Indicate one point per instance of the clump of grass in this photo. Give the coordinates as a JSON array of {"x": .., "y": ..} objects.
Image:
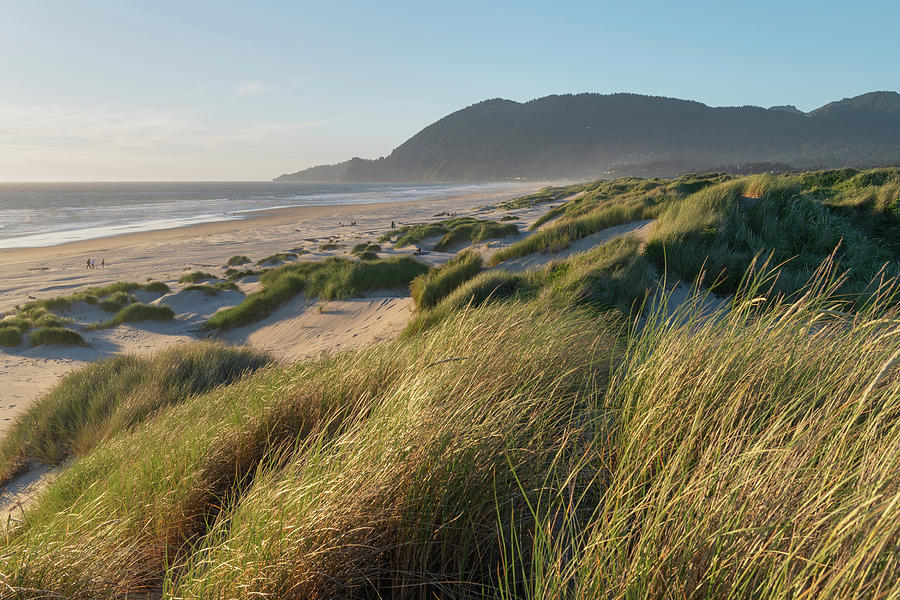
[
  {"x": 428, "y": 289},
  {"x": 137, "y": 312},
  {"x": 452, "y": 231},
  {"x": 45, "y": 336},
  {"x": 233, "y": 274},
  {"x": 509, "y": 218},
  {"x": 111, "y": 396},
  {"x": 237, "y": 260},
  {"x": 157, "y": 287},
  {"x": 330, "y": 246},
  {"x": 277, "y": 258},
  {"x": 212, "y": 289},
  {"x": 366, "y": 251},
  {"x": 116, "y": 301},
  {"x": 10, "y": 336},
  {"x": 195, "y": 276},
  {"x": 93, "y": 295},
  {"x": 328, "y": 280},
  {"x": 41, "y": 317}
]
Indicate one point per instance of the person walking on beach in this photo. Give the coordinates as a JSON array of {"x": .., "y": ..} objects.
[
  {"x": 93, "y": 264},
  {"x": 87, "y": 265},
  {"x": 103, "y": 263}
]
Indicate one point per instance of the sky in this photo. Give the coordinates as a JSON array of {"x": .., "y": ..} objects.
[{"x": 112, "y": 90}]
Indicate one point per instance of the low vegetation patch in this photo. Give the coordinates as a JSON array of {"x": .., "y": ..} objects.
[
  {"x": 10, "y": 336},
  {"x": 46, "y": 336},
  {"x": 213, "y": 289},
  {"x": 195, "y": 276},
  {"x": 428, "y": 289},
  {"x": 453, "y": 232},
  {"x": 116, "y": 301},
  {"x": 277, "y": 258},
  {"x": 330, "y": 279},
  {"x": 233, "y": 273},
  {"x": 330, "y": 246},
  {"x": 137, "y": 312},
  {"x": 238, "y": 259},
  {"x": 93, "y": 295}
]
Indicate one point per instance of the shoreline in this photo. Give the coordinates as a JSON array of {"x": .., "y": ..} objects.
[{"x": 260, "y": 218}]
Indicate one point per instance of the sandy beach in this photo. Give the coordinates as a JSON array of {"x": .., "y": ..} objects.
[{"x": 300, "y": 328}]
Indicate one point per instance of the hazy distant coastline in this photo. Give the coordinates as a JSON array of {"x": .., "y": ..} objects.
[{"x": 36, "y": 215}]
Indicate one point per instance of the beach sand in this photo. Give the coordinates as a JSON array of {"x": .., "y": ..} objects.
[{"x": 298, "y": 329}]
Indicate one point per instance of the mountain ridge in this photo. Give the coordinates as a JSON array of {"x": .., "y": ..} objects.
[{"x": 581, "y": 135}]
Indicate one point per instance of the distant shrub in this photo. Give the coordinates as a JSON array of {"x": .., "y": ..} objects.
[
  {"x": 330, "y": 246},
  {"x": 368, "y": 255}
]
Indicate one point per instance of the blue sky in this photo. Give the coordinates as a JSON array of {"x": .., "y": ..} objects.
[{"x": 116, "y": 90}]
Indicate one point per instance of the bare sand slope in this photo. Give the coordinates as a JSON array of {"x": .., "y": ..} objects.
[{"x": 303, "y": 328}]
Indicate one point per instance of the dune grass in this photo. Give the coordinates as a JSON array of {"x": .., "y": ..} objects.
[
  {"x": 111, "y": 396},
  {"x": 517, "y": 450},
  {"x": 429, "y": 288},
  {"x": 135, "y": 313},
  {"x": 213, "y": 289},
  {"x": 614, "y": 275},
  {"x": 453, "y": 232},
  {"x": 330, "y": 279},
  {"x": 375, "y": 470},
  {"x": 744, "y": 456},
  {"x": 10, "y": 336},
  {"x": 529, "y": 442},
  {"x": 196, "y": 276},
  {"x": 278, "y": 257},
  {"x": 55, "y": 335},
  {"x": 156, "y": 287},
  {"x": 237, "y": 260},
  {"x": 93, "y": 295},
  {"x": 722, "y": 228},
  {"x": 116, "y": 301},
  {"x": 363, "y": 247}
]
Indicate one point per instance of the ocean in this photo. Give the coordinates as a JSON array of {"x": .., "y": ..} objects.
[{"x": 45, "y": 214}]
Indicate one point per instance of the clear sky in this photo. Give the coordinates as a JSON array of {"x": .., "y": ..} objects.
[{"x": 157, "y": 90}]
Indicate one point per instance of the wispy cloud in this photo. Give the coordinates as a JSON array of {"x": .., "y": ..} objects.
[
  {"x": 57, "y": 126},
  {"x": 252, "y": 88}
]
